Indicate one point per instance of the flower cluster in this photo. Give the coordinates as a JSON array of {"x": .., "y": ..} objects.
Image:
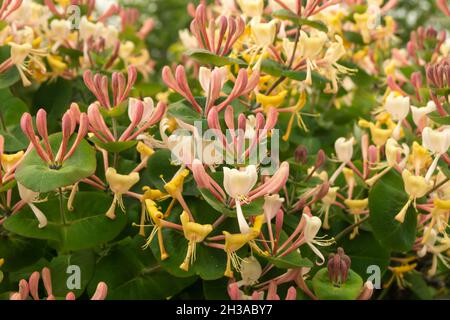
[{"x": 197, "y": 180}]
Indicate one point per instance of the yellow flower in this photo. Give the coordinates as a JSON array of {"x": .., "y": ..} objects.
[
  {"x": 157, "y": 219},
  {"x": 175, "y": 188},
  {"x": 194, "y": 233},
  {"x": 144, "y": 150},
  {"x": 119, "y": 184},
  {"x": 381, "y": 130},
  {"x": 2, "y": 261},
  {"x": 10, "y": 160},
  {"x": 415, "y": 187},
  {"x": 234, "y": 242},
  {"x": 356, "y": 206},
  {"x": 296, "y": 112},
  {"x": 271, "y": 101},
  {"x": 439, "y": 218},
  {"x": 57, "y": 64},
  {"x": 420, "y": 157}
]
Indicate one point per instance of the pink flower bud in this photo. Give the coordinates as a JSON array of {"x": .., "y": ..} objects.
[{"x": 100, "y": 292}]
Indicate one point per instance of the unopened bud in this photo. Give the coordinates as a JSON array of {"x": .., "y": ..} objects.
[
  {"x": 301, "y": 154},
  {"x": 338, "y": 267},
  {"x": 321, "y": 158}
]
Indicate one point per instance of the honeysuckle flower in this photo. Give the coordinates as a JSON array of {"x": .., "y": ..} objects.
[
  {"x": 415, "y": 187},
  {"x": 312, "y": 227},
  {"x": 69, "y": 122},
  {"x": 233, "y": 242},
  {"x": 212, "y": 82},
  {"x": 331, "y": 68},
  {"x": 439, "y": 218},
  {"x": 119, "y": 185},
  {"x": 271, "y": 101},
  {"x": 419, "y": 115},
  {"x": 29, "y": 198},
  {"x": 156, "y": 217},
  {"x": 344, "y": 153},
  {"x": 121, "y": 87},
  {"x": 194, "y": 233},
  {"x": 328, "y": 201},
  {"x": 8, "y": 7},
  {"x": 438, "y": 143},
  {"x": 175, "y": 189},
  {"x": 396, "y": 156},
  {"x": 250, "y": 271},
  {"x": 398, "y": 107},
  {"x": 420, "y": 158},
  {"x": 148, "y": 109},
  {"x": 381, "y": 130},
  {"x": 263, "y": 33},
  {"x": 356, "y": 207},
  {"x": 238, "y": 184},
  {"x": 217, "y": 36},
  {"x": 10, "y": 161},
  {"x": 251, "y": 8},
  {"x": 309, "y": 48},
  {"x": 22, "y": 55},
  {"x": 437, "y": 246},
  {"x": 30, "y": 289}
]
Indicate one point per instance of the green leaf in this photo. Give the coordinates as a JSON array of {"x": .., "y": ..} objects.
[
  {"x": 19, "y": 252},
  {"x": 365, "y": 251},
  {"x": 386, "y": 199},
  {"x": 132, "y": 273},
  {"x": 325, "y": 290},
  {"x": 15, "y": 140},
  {"x": 354, "y": 37},
  {"x": 55, "y": 97},
  {"x": 417, "y": 284},
  {"x": 85, "y": 227},
  {"x": 85, "y": 260},
  {"x": 205, "y": 57},
  {"x": 184, "y": 111},
  {"x": 436, "y": 117},
  {"x": 36, "y": 175},
  {"x": 115, "y": 146},
  {"x": 284, "y": 14},
  {"x": 10, "y": 76}
]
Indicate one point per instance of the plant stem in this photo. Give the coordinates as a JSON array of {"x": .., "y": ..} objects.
[
  {"x": 61, "y": 207},
  {"x": 350, "y": 228}
]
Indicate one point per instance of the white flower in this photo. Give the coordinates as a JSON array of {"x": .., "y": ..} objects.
[
  {"x": 263, "y": 33},
  {"x": 272, "y": 203},
  {"x": 393, "y": 150},
  {"x": 397, "y": 106},
  {"x": 30, "y": 197},
  {"x": 436, "y": 141},
  {"x": 205, "y": 77},
  {"x": 239, "y": 183},
  {"x": 311, "y": 46},
  {"x": 187, "y": 39},
  {"x": 250, "y": 271},
  {"x": 312, "y": 227},
  {"x": 251, "y": 8},
  {"x": 149, "y": 107},
  {"x": 344, "y": 149},
  {"x": 419, "y": 113}
]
